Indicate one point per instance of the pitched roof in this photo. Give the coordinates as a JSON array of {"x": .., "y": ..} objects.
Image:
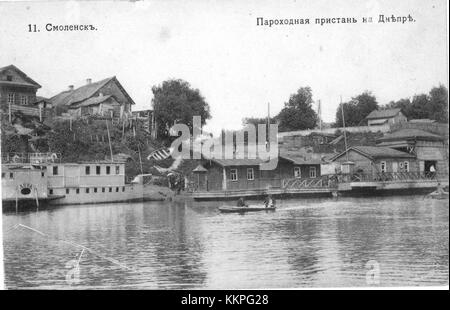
[
  {"x": 300, "y": 156},
  {"x": 200, "y": 168},
  {"x": 92, "y": 101},
  {"x": 79, "y": 94},
  {"x": 410, "y": 134},
  {"x": 29, "y": 81},
  {"x": 374, "y": 152},
  {"x": 422, "y": 120},
  {"x": 386, "y": 113},
  {"x": 238, "y": 162}
]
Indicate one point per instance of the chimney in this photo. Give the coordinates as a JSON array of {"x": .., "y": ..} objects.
[
  {"x": 70, "y": 87},
  {"x": 88, "y": 81}
]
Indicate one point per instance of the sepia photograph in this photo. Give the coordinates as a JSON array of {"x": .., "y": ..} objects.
[{"x": 224, "y": 145}]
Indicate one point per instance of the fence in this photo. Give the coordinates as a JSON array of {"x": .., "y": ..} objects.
[
  {"x": 391, "y": 177},
  {"x": 30, "y": 158}
]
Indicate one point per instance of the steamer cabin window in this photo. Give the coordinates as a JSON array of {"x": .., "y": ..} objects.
[
  {"x": 250, "y": 174},
  {"x": 108, "y": 169},
  {"x": 97, "y": 169},
  {"x": 233, "y": 175},
  {"x": 55, "y": 170},
  {"x": 117, "y": 169},
  {"x": 88, "y": 170}
]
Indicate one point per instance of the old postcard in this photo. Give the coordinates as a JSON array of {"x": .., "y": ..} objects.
[{"x": 226, "y": 145}]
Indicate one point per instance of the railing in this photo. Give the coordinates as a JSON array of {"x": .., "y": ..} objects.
[
  {"x": 390, "y": 177},
  {"x": 320, "y": 182},
  {"x": 31, "y": 158}
]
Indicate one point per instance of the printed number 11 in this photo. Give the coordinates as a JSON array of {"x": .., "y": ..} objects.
[{"x": 32, "y": 28}]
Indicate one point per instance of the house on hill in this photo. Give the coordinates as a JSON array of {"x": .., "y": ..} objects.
[
  {"x": 16, "y": 88},
  {"x": 104, "y": 98},
  {"x": 18, "y": 94},
  {"x": 385, "y": 116}
]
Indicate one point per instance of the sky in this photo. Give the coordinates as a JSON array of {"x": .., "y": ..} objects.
[{"x": 217, "y": 47}]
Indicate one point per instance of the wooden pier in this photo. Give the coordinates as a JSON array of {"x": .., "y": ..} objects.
[{"x": 329, "y": 186}]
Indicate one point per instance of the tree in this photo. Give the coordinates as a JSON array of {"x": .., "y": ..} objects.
[
  {"x": 351, "y": 114},
  {"x": 356, "y": 111},
  {"x": 438, "y": 105},
  {"x": 174, "y": 101},
  {"x": 298, "y": 113},
  {"x": 432, "y": 106}
]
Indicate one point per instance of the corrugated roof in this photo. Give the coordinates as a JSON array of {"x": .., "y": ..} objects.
[
  {"x": 386, "y": 113},
  {"x": 79, "y": 94},
  {"x": 408, "y": 134}
]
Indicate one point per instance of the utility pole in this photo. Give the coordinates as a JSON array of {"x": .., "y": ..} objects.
[
  {"x": 343, "y": 124},
  {"x": 319, "y": 112}
]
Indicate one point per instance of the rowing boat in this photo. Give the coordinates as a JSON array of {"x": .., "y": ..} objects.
[
  {"x": 438, "y": 195},
  {"x": 245, "y": 209}
]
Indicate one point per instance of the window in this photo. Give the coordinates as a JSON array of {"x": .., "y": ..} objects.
[
  {"x": 250, "y": 174},
  {"x": 108, "y": 169},
  {"x": 103, "y": 189},
  {"x": 406, "y": 166},
  {"x": 67, "y": 191},
  {"x": 9, "y": 78},
  {"x": 312, "y": 172},
  {"x": 3, "y": 175},
  {"x": 77, "y": 191},
  {"x": 297, "y": 172},
  {"x": 87, "y": 170},
  {"x": 383, "y": 166},
  {"x": 11, "y": 175},
  {"x": 23, "y": 100},
  {"x": 95, "y": 189},
  {"x": 42, "y": 174},
  {"x": 97, "y": 169},
  {"x": 117, "y": 189},
  {"x": 110, "y": 189},
  {"x": 123, "y": 188},
  {"x": 55, "y": 170},
  {"x": 234, "y": 175},
  {"x": 50, "y": 192},
  {"x": 11, "y": 98},
  {"x": 117, "y": 169},
  {"x": 87, "y": 190}
]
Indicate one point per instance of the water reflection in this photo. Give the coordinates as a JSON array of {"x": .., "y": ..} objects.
[{"x": 308, "y": 242}]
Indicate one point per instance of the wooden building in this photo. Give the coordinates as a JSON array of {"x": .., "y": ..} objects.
[
  {"x": 94, "y": 98},
  {"x": 428, "y": 148},
  {"x": 386, "y": 116},
  {"x": 246, "y": 174},
  {"x": 18, "y": 95},
  {"x": 16, "y": 88},
  {"x": 371, "y": 160}
]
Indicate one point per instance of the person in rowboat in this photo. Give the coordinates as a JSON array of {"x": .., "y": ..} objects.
[
  {"x": 241, "y": 202},
  {"x": 269, "y": 201}
]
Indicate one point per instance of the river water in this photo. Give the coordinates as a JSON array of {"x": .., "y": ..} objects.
[{"x": 387, "y": 241}]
